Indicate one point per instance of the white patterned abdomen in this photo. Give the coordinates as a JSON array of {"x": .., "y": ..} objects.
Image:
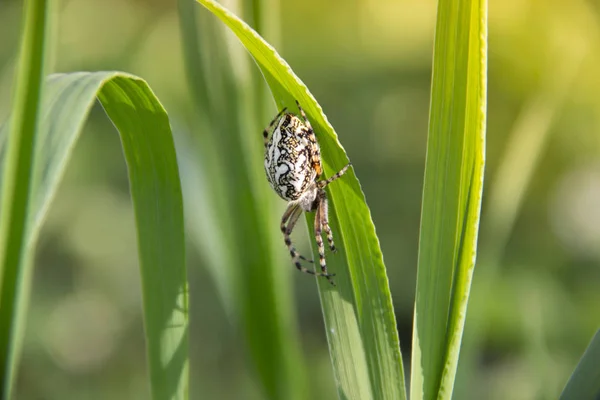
[{"x": 287, "y": 160}]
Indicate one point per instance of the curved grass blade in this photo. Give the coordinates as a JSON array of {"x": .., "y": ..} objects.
[
  {"x": 451, "y": 195},
  {"x": 359, "y": 318},
  {"x": 148, "y": 146},
  {"x": 584, "y": 383},
  {"x": 254, "y": 287}
]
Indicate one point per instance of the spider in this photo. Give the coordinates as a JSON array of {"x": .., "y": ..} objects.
[{"x": 293, "y": 165}]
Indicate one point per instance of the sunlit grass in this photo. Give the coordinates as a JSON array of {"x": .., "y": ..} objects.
[
  {"x": 155, "y": 189},
  {"x": 452, "y": 195},
  {"x": 236, "y": 234},
  {"x": 359, "y": 318},
  {"x": 250, "y": 270}
]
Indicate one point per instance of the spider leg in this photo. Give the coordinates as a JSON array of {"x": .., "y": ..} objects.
[
  {"x": 292, "y": 213},
  {"x": 290, "y": 227},
  {"x": 341, "y": 172},
  {"x": 325, "y": 223},
  {"x": 306, "y": 121},
  {"x": 327, "y": 230},
  {"x": 266, "y": 131},
  {"x": 320, "y": 246}
]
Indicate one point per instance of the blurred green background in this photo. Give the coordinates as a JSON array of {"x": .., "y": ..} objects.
[{"x": 535, "y": 299}]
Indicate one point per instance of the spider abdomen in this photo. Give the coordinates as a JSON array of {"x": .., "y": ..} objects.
[
  {"x": 293, "y": 165},
  {"x": 289, "y": 158}
]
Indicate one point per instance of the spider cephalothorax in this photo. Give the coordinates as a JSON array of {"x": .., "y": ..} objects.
[{"x": 293, "y": 165}]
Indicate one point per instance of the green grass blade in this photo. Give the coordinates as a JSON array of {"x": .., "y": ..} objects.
[
  {"x": 16, "y": 181},
  {"x": 451, "y": 195},
  {"x": 155, "y": 188},
  {"x": 505, "y": 194},
  {"x": 584, "y": 383},
  {"x": 256, "y": 290},
  {"x": 359, "y": 317}
]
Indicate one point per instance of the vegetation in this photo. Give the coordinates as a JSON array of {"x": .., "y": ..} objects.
[{"x": 80, "y": 335}]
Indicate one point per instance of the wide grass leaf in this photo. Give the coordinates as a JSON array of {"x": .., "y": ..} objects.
[
  {"x": 451, "y": 195},
  {"x": 584, "y": 383},
  {"x": 148, "y": 146},
  {"x": 359, "y": 317}
]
